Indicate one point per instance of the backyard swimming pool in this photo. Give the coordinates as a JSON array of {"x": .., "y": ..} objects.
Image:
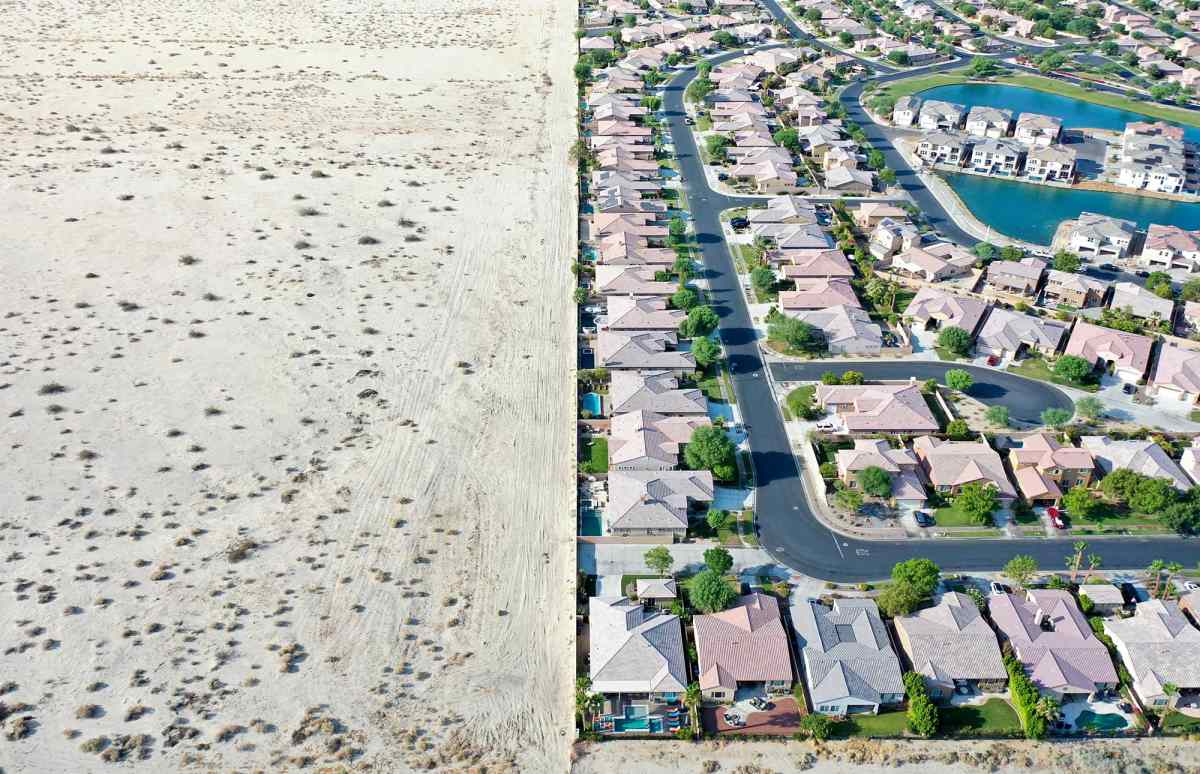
[
  {"x": 589, "y": 522},
  {"x": 1088, "y": 720},
  {"x": 592, "y": 403}
]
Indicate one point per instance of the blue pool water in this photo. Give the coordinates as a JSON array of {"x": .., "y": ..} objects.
[
  {"x": 720, "y": 409},
  {"x": 589, "y": 523},
  {"x": 592, "y": 402}
]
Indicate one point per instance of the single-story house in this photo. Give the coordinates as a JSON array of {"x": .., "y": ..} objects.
[
  {"x": 1106, "y": 598},
  {"x": 1006, "y": 333},
  {"x": 1159, "y": 647},
  {"x": 848, "y": 329},
  {"x": 1177, "y": 374},
  {"x": 654, "y": 502},
  {"x": 875, "y": 408},
  {"x": 744, "y": 646},
  {"x": 933, "y": 309},
  {"x": 1145, "y": 457},
  {"x": 952, "y": 645},
  {"x": 950, "y": 465},
  {"x": 849, "y": 664},
  {"x": 901, "y": 464},
  {"x": 636, "y": 656},
  {"x": 1127, "y": 354},
  {"x": 656, "y": 391}
]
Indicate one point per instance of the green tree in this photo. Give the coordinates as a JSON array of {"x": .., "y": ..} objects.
[
  {"x": 846, "y": 39},
  {"x": 929, "y": 386},
  {"x": 887, "y": 176},
  {"x": 709, "y": 592},
  {"x": 958, "y": 379},
  {"x": 701, "y": 321},
  {"x": 1089, "y": 408},
  {"x": 583, "y": 72},
  {"x": 706, "y": 352},
  {"x": 1011, "y": 253},
  {"x": 711, "y": 449},
  {"x": 958, "y": 430},
  {"x": 848, "y": 499},
  {"x": 875, "y": 159},
  {"x": 584, "y": 702},
  {"x": 977, "y": 501},
  {"x": 898, "y": 57},
  {"x": 716, "y": 144},
  {"x": 1120, "y": 484},
  {"x": 693, "y": 697},
  {"x": 1079, "y": 502},
  {"x": 954, "y": 339},
  {"x": 921, "y": 574},
  {"x": 763, "y": 280},
  {"x": 683, "y": 266},
  {"x": 985, "y": 251},
  {"x": 659, "y": 559},
  {"x": 1021, "y": 569},
  {"x": 788, "y": 138},
  {"x": 1072, "y": 368},
  {"x": 922, "y": 715},
  {"x": 677, "y": 231},
  {"x": 813, "y": 15},
  {"x": 898, "y": 599},
  {"x": 1055, "y": 417},
  {"x": 816, "y": 726},
  {"x": 717, "y": 519},
  {"x": 797, "y": 334},
  {"x": 997, "y": 415},
  {"x": 685, "y": 299},
  {"x": 1152, "y": 495},
  {"x": 830, "y": 378},
  {"x": 1065, "y": 261},
  {"x": 718, "y": 560},
  {"x": 852, "y": 377},
  {"x": 875, "y": 481},
  {"x": 1190, "y": 290},
  {"x": 580, "y": 295}
]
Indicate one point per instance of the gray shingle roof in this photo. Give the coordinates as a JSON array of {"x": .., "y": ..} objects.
[
  {"x": 846, "y": 651},
  {"x": 951, "y": 641},
  {"x": 633, "y": 650}
]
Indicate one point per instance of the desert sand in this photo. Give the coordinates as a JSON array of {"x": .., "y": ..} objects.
[{"x": 286, "y": 397}]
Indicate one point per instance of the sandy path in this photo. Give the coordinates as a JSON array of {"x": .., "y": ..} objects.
[{"x": 291, "y": 280}]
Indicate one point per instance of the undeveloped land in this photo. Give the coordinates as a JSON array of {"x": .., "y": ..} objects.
[{"x": 285, "y": 385}]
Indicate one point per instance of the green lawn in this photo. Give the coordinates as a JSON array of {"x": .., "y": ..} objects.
[
  {"x": 1112, "y": 518},
  {"x": 1178, "y": 723},
  {"x": 883, "y": 724},
  {"x": 994, "y": 716},
  {"x": 951, "y": 516},
  {"x": 704, "y": 123},
  {"x": 946, "y": 354},
  {"x": 596, "y": 461},
  {"x": 1038, "y": 368}
]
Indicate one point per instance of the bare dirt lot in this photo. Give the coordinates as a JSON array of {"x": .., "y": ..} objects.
[{"x": 286, "y": 398}]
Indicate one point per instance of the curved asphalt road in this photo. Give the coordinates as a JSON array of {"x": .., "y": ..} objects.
[
  {"x": 788, "y": 529},
  {"x": 1024, "y": 398}
]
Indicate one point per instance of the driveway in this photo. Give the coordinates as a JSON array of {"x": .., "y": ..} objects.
[{"x": 783, "y": 719}]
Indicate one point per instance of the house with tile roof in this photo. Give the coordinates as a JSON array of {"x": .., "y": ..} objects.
[
  {"x": 952, "y": 645},
  {"x": 1044, "y": 468},
  {"x": 1037, "y": 129},
  {"x": 631, "y": 281},
  {"x": 1170, "y": 247},
  {"x": 892, "y": 236},
  {"x": 1099, "y": 236},
  {"x": 1006, "y": 333},
  {"x": 1159, "y": 647},
  {"x": 848, "y": 330},
  {"x": 1140, "y": 302},
  {"x": 950, "y": 465},
  {"x": 626, "y": 313},
  {"x": 642, "y": 440},
  {"x": 1177, "y": 374},
  {"x": 934, "y": 309},
  {"x": 656, "y": 391},
  {"x": 1145, "y": 457},
  {"x": 1055, "y": 163},
  {"x": 1077, "y": 290},
  {"x": 924, "y": 265},
  {"x": 1127, "y": 354},
  {"x": 651, "y": 350},
  {"x": 654, "y": 502},
  {"x": 811, "y": 264},
  {"x": 849, "y": 665},
  {"x": 1106, "y": 598},
  {"x": 939, "y": 115},
  {"x": 816, "y": 293},
  {"x": 1054, "y": 643},
  {"x": 744, "y": 646},
  {"x": 787, "y": 210},
  {"x": 878, "y": 408},
  {"x": 1190, "y": 460},
  {"x": 634, "y": 652},
  {"x": 1017, "y": 277},
  {"x": 660, "y": 592},
  {"x": 871, "y": 214},
  {"x": 900, "y": 464}
]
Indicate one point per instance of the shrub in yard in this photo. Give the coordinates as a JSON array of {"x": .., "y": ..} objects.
[
  {"x": 875, "y": 481},
  {"x": 709, "y": 592}
]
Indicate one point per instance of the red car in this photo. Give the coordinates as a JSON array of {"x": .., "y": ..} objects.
[
  {"x": 993, "y": 360},
  {"x": 1056, "y": 518}
]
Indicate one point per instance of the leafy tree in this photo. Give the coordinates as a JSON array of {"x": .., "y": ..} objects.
[
  {"x": 1159, "y": 283},
  {"x": 800, "y": 403},
  {"x": 898, "y": 56},
  {"x": 580, "y": 295},
  {"x": 845, "y": 38},
  {"x": 1072, "y": 368},
  {"x": 1121, "y": 319},
  {"x": 887, "y": 176},
  {"x": 763, "y": 279},
  {"x": 977, "y": 597},
  {"x": 852, "y": 377},
  {"x": 705, "y": 351},
  {"x": 816, "y": 726},
  {"x": 677, "y": 231},
  {"x": 683, "y": 265},
  {"x": 693, "y": 697},
  {"x": 583, "y": 71},
  {"x": 958, "y": 379},
  {"x": 1055, "y": 417},
  {"x": 716, "y": 144},
  {"x": 685, "y": 299},
  {"x": 954, "y": 339},
  {"x": 981, "y": 67},
  {"x": 718, "y": 560},
  {"x": 1065, "y": 261},
  {"x": 997, "y": 415},
  {"x": 1120, "y": 484},
  {"x": 659, "y": 559},
  {"x": 849, "y": 499},
  {"x": 1182, "y": 517},
  {"x": 875, "y": 159},
  {"x": 711, "y": 449},
  {"x": 985, "y": 251},
  {"x": 830, "y": 378},
  {"x": 813, "y": 15},
  {"x": 1079, "y": 502},
  {"x": 797, "y": 334},
  {"x": 875, "y": 481},
  {"x": 958, "y": 430},
  {"x": 977, "y": 501},
  {"x": 717, "y": 519},
  {"x": 898, "y": 599},
  {"x": 922, "y": 715},
  {"x": 1152, "y": 495},
  {"x": 1021, "y": 569},
  {"x": 921, "y": 574},
  {"x": 1011, "y": 253},
  {"x": 709, "y": 592},
  {"x": 1190, "y": 290},
  {"x": 789, "y": 138},
  {"x": 701, "y": 321},
  {"x": 1089, "y": 408}
]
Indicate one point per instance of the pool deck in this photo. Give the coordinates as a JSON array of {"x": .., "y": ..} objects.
[{"x": 1072, "y": 710}]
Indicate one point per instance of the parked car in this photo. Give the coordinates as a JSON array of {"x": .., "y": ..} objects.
[
  {"x": 1057, "y": 520},
  {"x": 1189, "y": 586},
  {"x": 993, "y": 360},
  {"x": 1142, "y": 273},
  {"x": 1108, "y": 267},
  {"x": 733, "y": 720},
  {"x": 689, "y": 121},
  {"x": 924, "y": 518},
  {"x": 1129, "y": 593},
  {"x": 826, "y": 426},
  {"x": 999, "y": 589},
  {"x": 722, "y": 176},
  {"x": 1129, "y": 389},
  {"x": 739, "y": 224},
  {"x": 759, "y": 703}
]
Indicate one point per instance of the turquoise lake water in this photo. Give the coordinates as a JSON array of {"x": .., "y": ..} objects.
[{"x": 1031, "y": 212}]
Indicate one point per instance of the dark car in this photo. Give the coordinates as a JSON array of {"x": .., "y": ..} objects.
[
  {"x": 1129, "y": 389},
  {"x": 722, "y": 176},
  {"x": 1108, "y": 267},
  {"x": 924, "y": 518},
  {"x": 1129, "y": 593},
  {"x": 1142, "y": 274},
  {"x": 739, "y": 224}
]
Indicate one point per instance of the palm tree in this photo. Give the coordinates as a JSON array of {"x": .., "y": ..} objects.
[
  {"x": 1173, "y": 569},
  {"x": 1047, "y": 709},
  {"x": 583, "y": 701},
  {"x": 595, "y": 703},
  {"x": 1093, "y": 565},
  {"x": 1076, "y": 559},
  {"x": 1155, "y": 571},
  {"x": 1172, "y": 691},
  {"x": 691, "y": 699}
]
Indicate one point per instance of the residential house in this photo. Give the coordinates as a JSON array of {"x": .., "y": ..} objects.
[
  {"x": 785, "y": 210},
  {"x": 656, "y": 391},
  {"x": 1100, "y": 237},
  {"x": 942, "y": 148},
  {"x": 849, "y": 664},
  {"x": 1170, "y": 247},
  {"x": 788, "y": 236},
  {"x": 1106, "y": 598},
  {"x": 628, "y": 250},
  {"x": 631, "y": 281},
  {"x": 635, "y": 224},
  {"x": 1141, "y": 302},
  {"x": 924, "y": 265},
  {"x": 811, "y": 264},
  {"x": 952, "y": 646},
  {"x": 939, "y": 115},
  {"x": 654, "y": 502},
  {"x": 744, "y": 646},
  {"x": 1044, "y": 468},
  {"x": 1190, "y": 460},
  {"x": 848, "y": 330},
  {"x": 640, "y": 314},
  {"x": 1054, "y": 643},
  {"x": 1077, "y": 290},
  {"x": 878, "y": 408},
  {"x": 984, "y": 121},
  {"x": 651, "y": 350},
  {"x": 1159, "y": 647},
  {"x": 1127, "y": 355},
  {"x": 642, "y": 440},
  {"x": 658, "y": 592},
  {"x": 950, "y": 465},
  {"x": 1177, "y": 374},
  {"x": 1037, "y": 129},
  {"x": 636, "y": 657},
  {"x": 817, "y": 294},
  {"x": 918, "y": 54},
  {"x": 1019, "y": 278},
  {"x": 1144, "y": 457},
  {"x": 892, "y": 236},
  {"x": 1153, "y": 158},
  {"x": 933, "y": 309},
  {"x": 996, "y": 157},
  {"x": 1052, "y": 163},
  {"x": 906, "y": 110},
  {"x": 871, "y": 214},
  {"x": 900, "y": 464},
  {"x": 843, "y": 180}
]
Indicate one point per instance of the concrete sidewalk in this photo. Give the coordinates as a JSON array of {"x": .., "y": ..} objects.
[{"x": 629, "y": 558}]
